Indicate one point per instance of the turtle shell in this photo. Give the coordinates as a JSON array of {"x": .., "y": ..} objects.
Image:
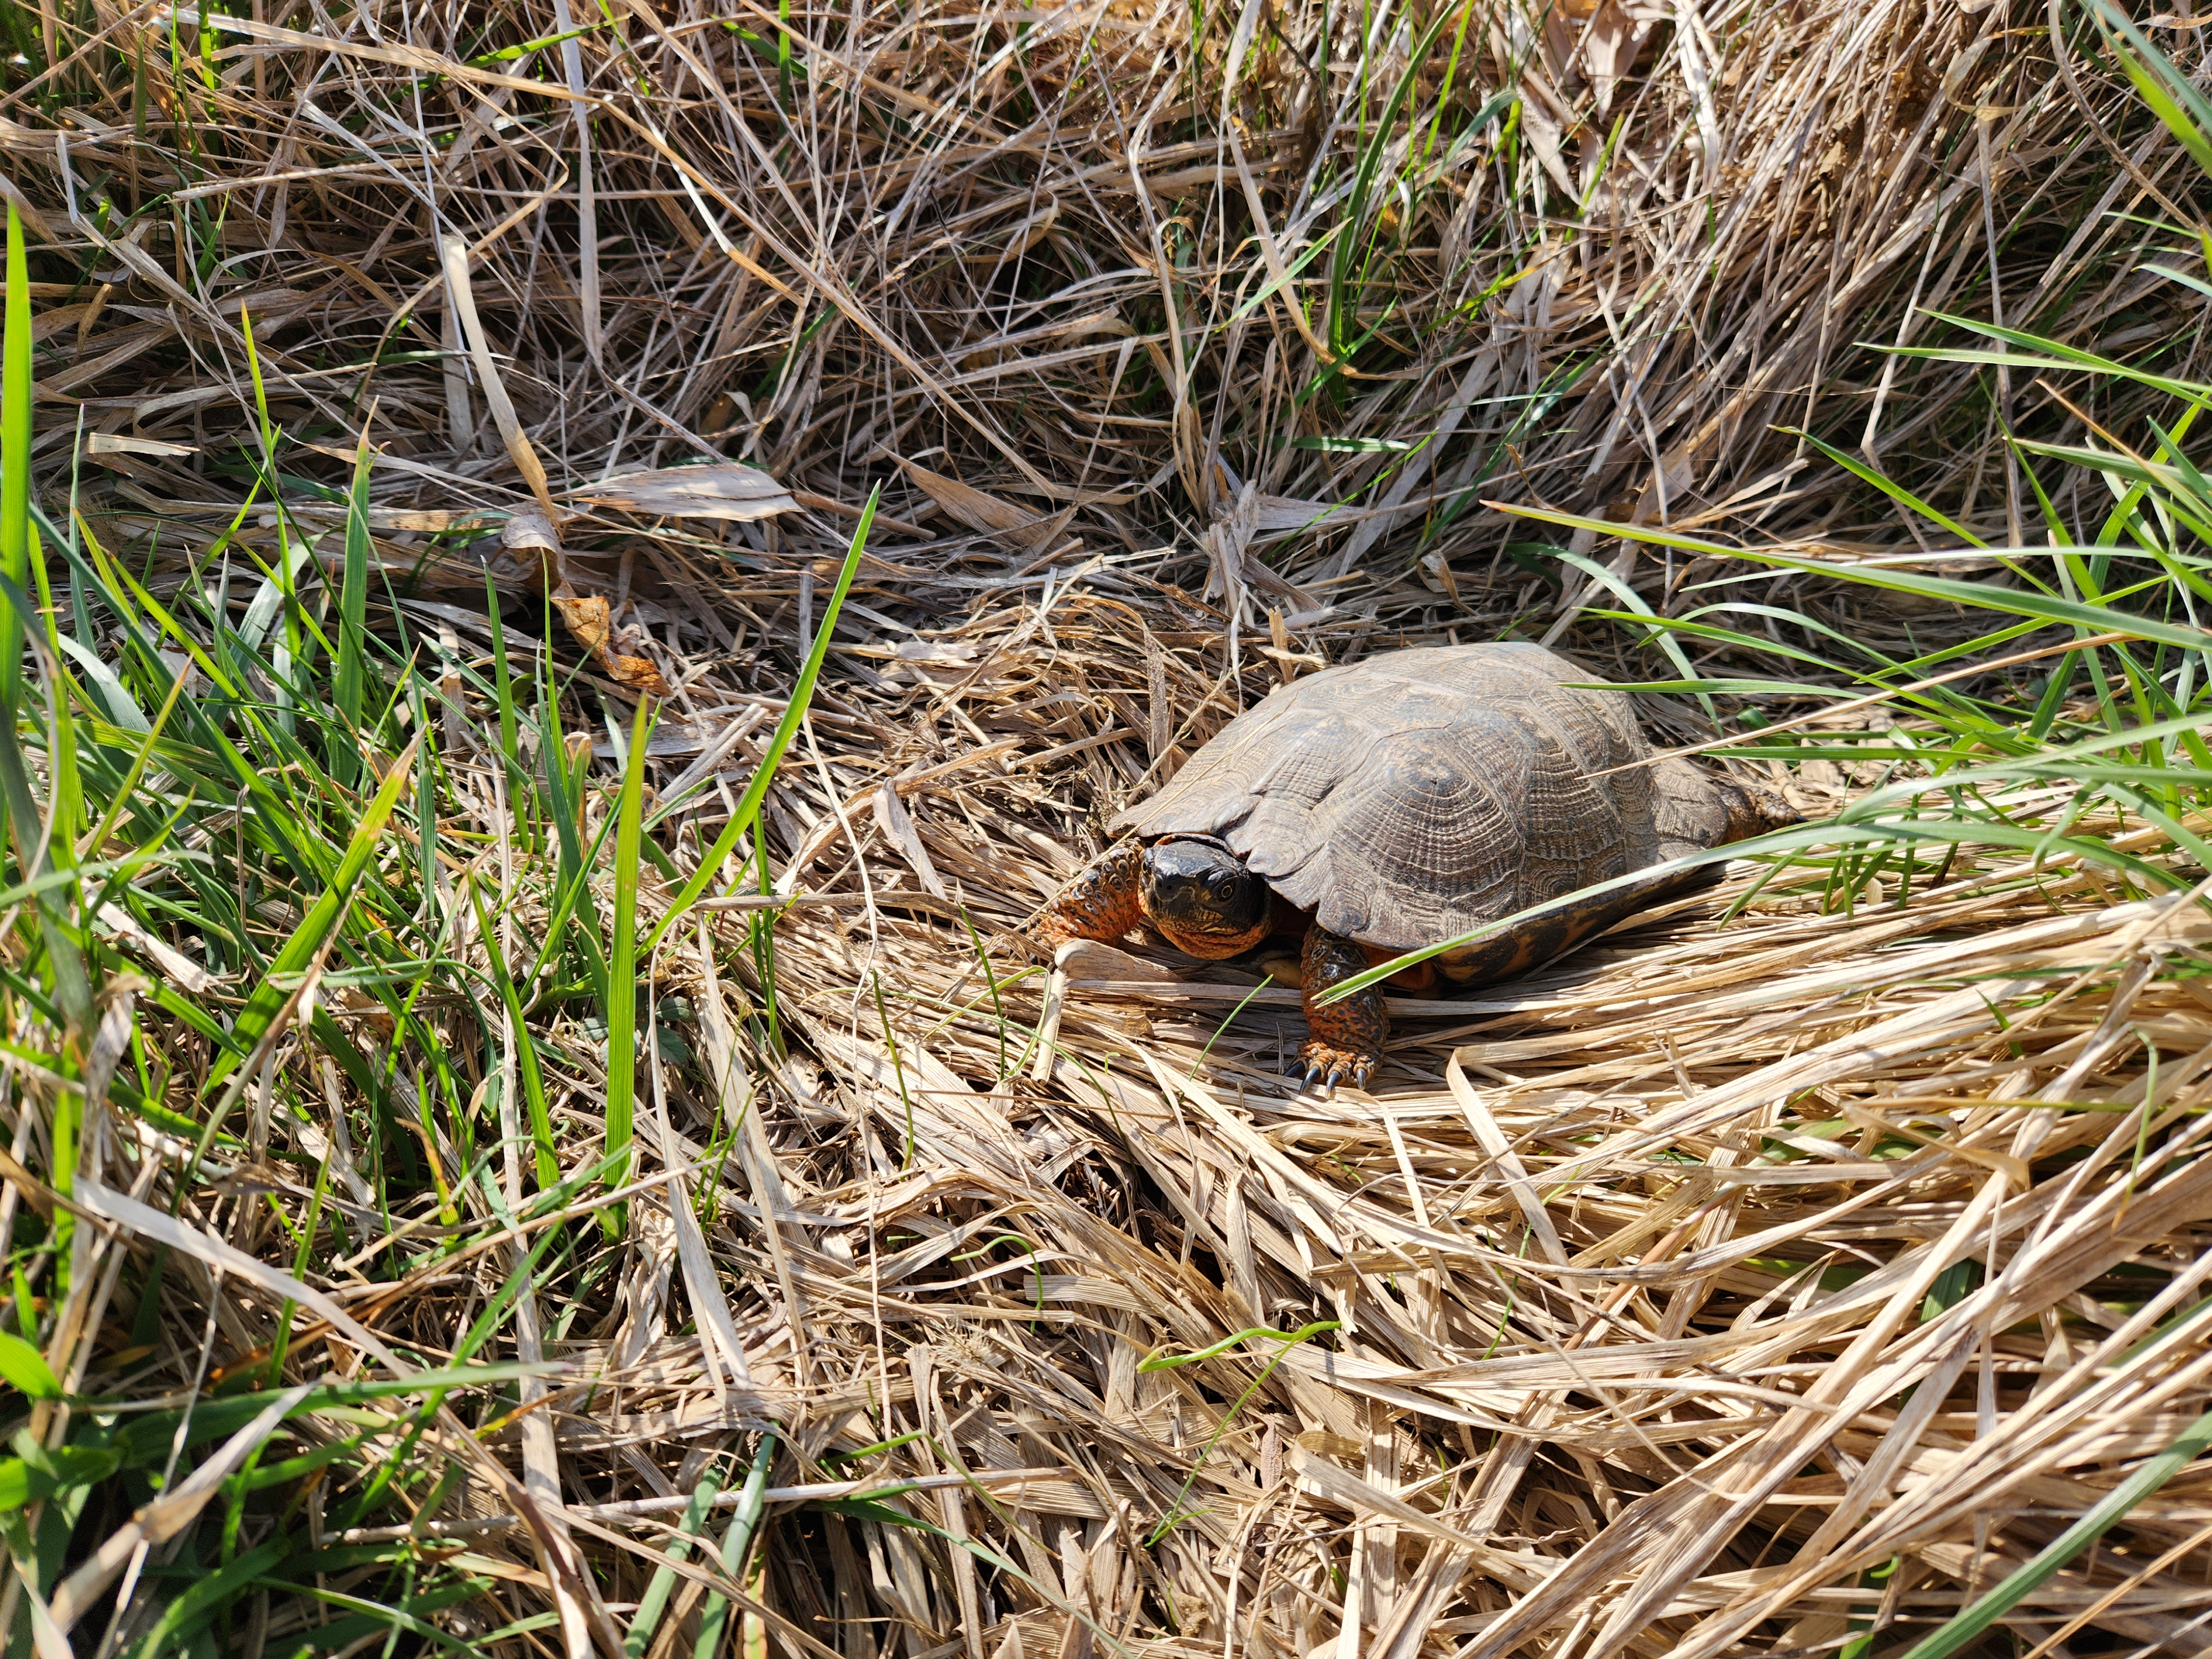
[{"x": 1418, "y": 794}]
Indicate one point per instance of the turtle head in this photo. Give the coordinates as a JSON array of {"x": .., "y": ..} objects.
[{"x": 1202, "y": 897}]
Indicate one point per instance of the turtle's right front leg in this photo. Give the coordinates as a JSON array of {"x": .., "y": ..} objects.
[
  {"x": 1345, "y": 1040},
  {"x": 1105, "y": 902}
]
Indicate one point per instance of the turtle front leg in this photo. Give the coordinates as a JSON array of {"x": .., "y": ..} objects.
[
  {"x": 1105, "y": 902},
  {"x": 1345, "y": 1040}
]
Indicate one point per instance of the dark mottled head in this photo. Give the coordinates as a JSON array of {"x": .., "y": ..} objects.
[{"x": 1202, "y": 897}]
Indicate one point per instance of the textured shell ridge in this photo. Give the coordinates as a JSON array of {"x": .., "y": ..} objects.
[{"x": 1211, "y": 793}]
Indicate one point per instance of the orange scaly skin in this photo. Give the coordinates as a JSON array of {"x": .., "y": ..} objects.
[
  {"x": 1347, "y": 1037},
  {"x": 1105, "y": 902}
]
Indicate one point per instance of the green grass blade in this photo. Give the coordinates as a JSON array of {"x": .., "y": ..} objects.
[
  {"x": 315, "y": 928},
  {"x": 737, "y": 1545},
  {"x": 564, "y": 796},
  {"x": 1654, "y": 633},
  {"x": 17, "y": 541},
  {"x": 521, "y": 790},
  {"x": 41, "y": 849},
  {"x": 2159, "y": 81},
  {"x": 2056, "y": 354},
  {"x": 205, "y": 1595},
  {"x": 1896, "y": 492},
  {"x": 15, "y": 453},
  {"x": 802, "y": 692},
  {"x": 1341, "y": 311},
  {"x": 349, "y": 685},
  {"x": 622, "y": 968},
  {"x": 654, "y": 1603},
  {"x": 24, "y": 1368},
  {"x": 526, "y": 1052},
  {"x": 1981, "y": 595},
  {"x": 1970, "y": 1622}
]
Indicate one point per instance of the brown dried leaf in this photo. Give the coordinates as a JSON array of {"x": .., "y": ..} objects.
[
  {"x": 728, "y": 491},
  {"x": 528, "y": 536},
  {"x": 987, "y": 512},
  {"x": 589, "y": 624}
]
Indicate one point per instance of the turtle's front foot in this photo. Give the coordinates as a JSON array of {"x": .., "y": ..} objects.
[
  {"x": 1325, "y": 1064},
  {"x": 1346, "y": 1036}
]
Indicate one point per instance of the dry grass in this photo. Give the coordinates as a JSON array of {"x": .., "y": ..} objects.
[{"x": 1775, "y": 1287}]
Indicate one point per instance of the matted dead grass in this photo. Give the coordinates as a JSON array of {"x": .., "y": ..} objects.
[
  {"x": 1728, "y": 1288},
  {"x": 1772, "y": 1287},
  {"x": 1676, "y": 1287}
]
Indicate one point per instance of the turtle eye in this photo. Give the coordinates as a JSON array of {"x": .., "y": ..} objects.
[{"x": 1224, "y": 890}]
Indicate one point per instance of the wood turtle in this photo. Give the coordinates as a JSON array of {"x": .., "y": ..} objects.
[{"x": 1399, "y": 801}]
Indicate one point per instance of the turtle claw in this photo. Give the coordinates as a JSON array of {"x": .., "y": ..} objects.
[{"x": 1328, "y": 1065}]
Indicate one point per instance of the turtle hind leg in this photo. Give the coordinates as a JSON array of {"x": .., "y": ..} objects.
[
  {"x": 1548, "y": 937},
  {"x": 1104, "y": 902},
  {"x": 1344, "y": 1041},
  {"x": 1421, "y": 976},
  {"x": 1693, "y": 808}
]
